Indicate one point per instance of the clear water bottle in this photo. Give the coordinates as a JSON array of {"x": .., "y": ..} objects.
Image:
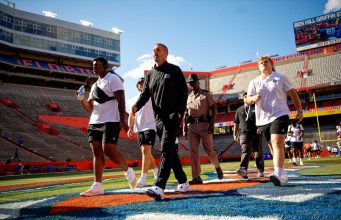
[{"x": 81, "y": 93}]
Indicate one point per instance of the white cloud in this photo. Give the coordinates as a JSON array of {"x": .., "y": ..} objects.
[
  {"x": 130, "y": 102},
  {"x": 332, "y": 5},
  {"x": 146, "y": 62}
]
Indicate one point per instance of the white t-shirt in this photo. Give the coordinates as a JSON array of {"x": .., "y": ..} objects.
[
  {"x": 107, "y": 111},
  {"x": 315, "y": 146},
  {"x": 144, "y": 118},
  {"x": 273, "y": 91},
  {"x": 295, "y": 137}
]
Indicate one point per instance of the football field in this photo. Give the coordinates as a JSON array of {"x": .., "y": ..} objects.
[{"x": 313, "y": 192}]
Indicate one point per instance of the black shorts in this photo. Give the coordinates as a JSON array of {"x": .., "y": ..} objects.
[
  {"x": 279, "y": 126},
  {"x": 106, "y": 133},
  {"x": 297, "y": 145},
  {"x": 287, "y": 149},
  {"x": 146, "y": 137}
]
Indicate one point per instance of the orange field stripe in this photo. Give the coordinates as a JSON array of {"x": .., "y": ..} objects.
[{"x": 81, "y": 203}]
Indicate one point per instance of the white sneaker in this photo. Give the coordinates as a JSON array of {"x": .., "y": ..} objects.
[
  {"x": 290, "y": 161},
  {"x": 260, "y": 174},
  {"x": 301, "y": 162},
  {"x": 294, "y": 162},
  {"x": 156, "y": 193},
  {"x": 155, "y": 171},
  {"x": 95, "y": 190},
  {"x": 279, "y": 180},
  {"x": 183, "y": 187},
  {"x": 141, "y": 182},
  {"x": 130, "y": 175}
]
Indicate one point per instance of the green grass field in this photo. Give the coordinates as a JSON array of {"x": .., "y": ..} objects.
[{"x": 75, "y": 182}]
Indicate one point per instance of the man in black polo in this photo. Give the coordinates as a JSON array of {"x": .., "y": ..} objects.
[
  {"x": 249, "y": 139},
  {"x": 166, "y": 86}
]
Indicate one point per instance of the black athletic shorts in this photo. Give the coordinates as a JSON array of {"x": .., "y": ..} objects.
[
  {"x": 106, "y": 133},
  {"x": 146, "y": 137},
  {"x": 279, "y": 126},
  {"x": 297, "y": 145}
]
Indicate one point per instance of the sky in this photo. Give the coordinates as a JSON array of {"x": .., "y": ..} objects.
[{"x": 201, "y": 34}]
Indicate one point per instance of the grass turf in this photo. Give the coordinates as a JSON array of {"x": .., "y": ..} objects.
[{"x": 54, "y": 184}]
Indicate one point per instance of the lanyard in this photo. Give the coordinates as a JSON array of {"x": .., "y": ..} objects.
[{"x": 247, "y": 112}]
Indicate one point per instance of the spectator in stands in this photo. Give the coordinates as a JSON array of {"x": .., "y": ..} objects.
[
  {"x": 249, "y": 138},
  {"x": 20, "y": 141},
  {"x": 296, "y": 142},
  {"x": 287, "y": 147},
  {"x": 6, "y": 135},
  {"x": 166, "y": 86},
  {"x": 199, "y": 122},
  {"x": 106, "y": 103},
  {"x": 269, "y": 92},
  {"x": 143, "y": 123},
  {"x": 16, "y": 154}
]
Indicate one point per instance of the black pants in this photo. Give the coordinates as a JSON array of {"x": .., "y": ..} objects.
[
  {"x": 167, "y": 131},
  {"x": 249, "y": 144}
]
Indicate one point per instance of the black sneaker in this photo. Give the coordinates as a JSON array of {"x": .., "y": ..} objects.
[
  {"x": 242, "y": 173},
  {"x": 220, "y": 173},
  {"x": 196, "y": 181}
]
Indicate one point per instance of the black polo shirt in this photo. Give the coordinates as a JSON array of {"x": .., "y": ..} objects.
[{"x": 249, "y": 126}]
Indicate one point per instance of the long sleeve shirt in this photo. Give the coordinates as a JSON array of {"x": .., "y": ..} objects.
[{"x": 166, "y": 86}]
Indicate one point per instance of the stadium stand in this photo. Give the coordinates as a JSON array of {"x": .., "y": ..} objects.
[{"x": 326, "y": 70}]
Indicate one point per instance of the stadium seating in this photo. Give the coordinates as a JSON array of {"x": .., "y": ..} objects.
[
  {"x": 8, "y": 153},
  {"x": 291, "y": 69},
  {"x": 326, "y": 70}
]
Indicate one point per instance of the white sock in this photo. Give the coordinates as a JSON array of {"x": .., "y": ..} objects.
[
  {"x": 126, "y": 172},
  {"x": 97, "y": 184},
  {"x": 143, "y": 176},
  {"x": 279, "y": 171}
]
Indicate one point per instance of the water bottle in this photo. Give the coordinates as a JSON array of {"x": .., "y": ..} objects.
[{"x": 81, "y": 93}]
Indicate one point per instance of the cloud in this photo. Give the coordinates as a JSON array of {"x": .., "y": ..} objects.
[
  {"x": 130, "y": 102},
  {"x": 146, "y": 62},
  {"x": 332, "y": 5}
]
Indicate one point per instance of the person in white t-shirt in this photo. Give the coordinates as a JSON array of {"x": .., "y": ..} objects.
[
  {"x": 106, "y": 103},
  {"x": 296, "y": 141},
  {"x": 143, "y": 123},
  {"x": 315, "y": 149},
  {"x": 287, "y": 147},
  {"x": 269, "y": 94}
]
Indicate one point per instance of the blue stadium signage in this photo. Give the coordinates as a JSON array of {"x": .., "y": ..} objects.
[
  {"x": 45, "y": 65},
  {"x": 317, "y": 32}
]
